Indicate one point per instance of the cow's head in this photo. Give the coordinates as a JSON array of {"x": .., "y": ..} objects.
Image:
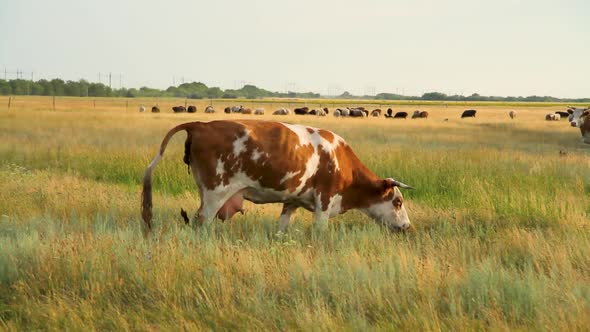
[
  {"x": 388, "y": 208},
  {"x": 576, "y": 115}
]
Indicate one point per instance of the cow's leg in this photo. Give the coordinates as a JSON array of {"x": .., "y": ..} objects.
[{"x": 285, "y": 217}]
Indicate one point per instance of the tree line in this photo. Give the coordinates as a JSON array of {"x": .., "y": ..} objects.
[{"x": 198, "y": 90}]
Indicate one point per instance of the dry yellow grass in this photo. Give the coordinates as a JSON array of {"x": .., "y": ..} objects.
[{"x": 500, "y": 239}]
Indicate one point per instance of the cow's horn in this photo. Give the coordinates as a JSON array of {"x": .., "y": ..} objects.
[{"x": 401, "y": 185}]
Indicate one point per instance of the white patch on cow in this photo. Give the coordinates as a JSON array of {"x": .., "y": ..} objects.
[
  {"x": 289, "y": 176},
  {"x": 239, "y": 144},
  {"x": 220, "y": 169},
  {"x": 335, "y": 206},
  {"x": 256, "y": 155}
]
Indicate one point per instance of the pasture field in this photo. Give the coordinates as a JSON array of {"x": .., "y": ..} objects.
[{"x": 500, "y": 237}]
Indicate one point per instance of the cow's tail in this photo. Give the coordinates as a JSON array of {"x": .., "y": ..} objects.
[{"x": 146, "y": 194}]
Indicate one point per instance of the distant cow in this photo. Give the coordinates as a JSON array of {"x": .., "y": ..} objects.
[
  {"x": 274, "y": 162},
  {"x": 376, "y": 112},
  {"x": 344, "y": 111},
  {"x": 192, "y": 109},
  {"x": 155, "y": 109},
  {"x": 512, "y": 114},
  {"x": 552, "y": 117},
  {"x": 357, "y": 113},
  {"x": 389, "y": 113},
  {"x": 400, "y": 115},
  {"x": 281, "y": 111},
  {"x": 227, "y": 110},
  {"x": 301, "y": 110},
  {"x": 209, "y": 109},
  {"x": 259, "y": 111},
  {"x": 468, "y": 114},
  {"x": 420, "y": 115},
  {"x": 237, "y": 109},
  {"x": 337, "y": 113},
  {"x": 563, "y": 115},
  {"x": 179, "y": 109},
  {"x": 142, "y": 108},
  {"x": 326, "y": 110},
  {"x": 246, "y": 111}
]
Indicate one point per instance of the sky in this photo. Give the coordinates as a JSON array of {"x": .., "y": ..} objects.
[{"x": 490, "y": 47}]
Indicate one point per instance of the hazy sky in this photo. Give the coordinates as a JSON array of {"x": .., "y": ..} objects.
[{"x": 492, "y": 47}]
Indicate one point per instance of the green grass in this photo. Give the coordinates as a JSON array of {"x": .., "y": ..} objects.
[{"x": 501, "y": 236}]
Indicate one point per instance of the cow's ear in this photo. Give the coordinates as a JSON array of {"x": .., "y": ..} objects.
[
  {"x": 586, "y": 112},
  {"x": 569, "y": 110}
]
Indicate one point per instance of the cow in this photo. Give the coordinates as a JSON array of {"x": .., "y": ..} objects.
[
  {"x": 376, "y": 112},
  {"x": 552, "y": 117},
  {"x": 563, "y": 115},
  {"x": 281, "y": 111},
  {"x": 141, "y": 109},
  {"x": 389, "y": 113},
  {"x": 209, "y": 109},
  {"x": 273, "y": 162},
  {"x": 575, "y": 115},
  {"x": 326, "y": 110},
  {"x": 301, "y": 110},
  {"x": 178, "y": 109},
  {"x": 227, "y": 110},
  {"x": 337, "y": 113},
  {"x": 512, "y": 114},
  {"x": 400, "y": 115},
  {"x": 468, "y": 114},
  {"x": 192, "y": 109},
  {"x": 155, "y": 109},
  {"x": 237, "y": 109},
  {"x": 344, "y": 111},
  {"x": 259, "y": 111},
  {"x": 246, "y": 111},
  {"x": 580, "y": 118},
  {"x": 357, "y": 113},
  {"x": 420, "y": 115}
]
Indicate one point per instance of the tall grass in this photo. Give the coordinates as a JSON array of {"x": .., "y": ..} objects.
[{"x": 500, "y": 241}]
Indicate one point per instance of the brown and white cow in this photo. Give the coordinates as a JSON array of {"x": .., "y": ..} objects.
[
  {"x": 512, "y": 114},
  {"x": 420, "y": 115},
  {"x": 274, "y": 162},
  {"x": 580, "y": 118}
]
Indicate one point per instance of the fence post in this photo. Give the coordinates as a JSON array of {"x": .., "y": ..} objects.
[
  {"x": 126, "y": 105},
  {"x": 94, "y": 103},
  {"x": 54, "y": 103},
  {"x": 9, "y": 100}
]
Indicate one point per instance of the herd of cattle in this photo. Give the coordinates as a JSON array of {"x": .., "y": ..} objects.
[
  {"x": 354, "y": 112},
  {"x": 575, "y": 116}
]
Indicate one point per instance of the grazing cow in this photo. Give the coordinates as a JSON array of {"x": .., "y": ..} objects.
[
  {"x": 468, "y": 114},
  {"x": 552, "y": 117},
  {"x": 301, "y": 110},
  {"x": 192, "y": 109},
  {"x": 512, "y": 114},
  {"x": 227, "y": 110},
  {"x": 259, "y": 111},
  {"x": 376, "y": 112},
  {"x": 337, "y": 113},
  {"x": 237, "y": 109},
  {"x": 179, "y": 109},
  {"x": 563, "y": 115},
  {"x": 273, "y": 162},
  {"x": 281, "y": 111},
  {"x": 420, "y": 115},
  {"x": 155, "y": 109},
  {"x": 400, "y": 115},
  {"x": 357, "y": 113},
  {"x": 141, "y": 109},
  {"x": 326, "y": 110},
  {"x": 344, "y": 111},
  {"x": 210, "y": 109},
  {"x": 313, "y": 112},
  {"x": 246, "y": 111},
  {"x": 389, "y": 113}
]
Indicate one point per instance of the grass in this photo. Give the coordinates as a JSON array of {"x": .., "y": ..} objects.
[{"x": 500, "y": 241}]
